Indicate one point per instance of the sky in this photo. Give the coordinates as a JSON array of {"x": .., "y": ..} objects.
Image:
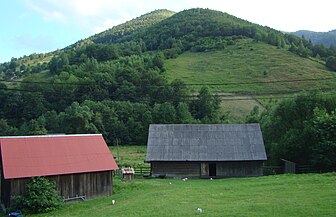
[{"x": 38, "y": 26}]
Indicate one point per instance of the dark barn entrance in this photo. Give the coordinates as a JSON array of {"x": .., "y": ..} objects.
[{"x": 212, "y": 169}]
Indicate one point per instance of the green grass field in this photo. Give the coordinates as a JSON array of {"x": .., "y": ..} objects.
[
  {"x": 279, "y": 195},
  {"x": 245, "y": 62},
  {"x": 256, "y": 63},
  {"x": 130, "y": 156}
]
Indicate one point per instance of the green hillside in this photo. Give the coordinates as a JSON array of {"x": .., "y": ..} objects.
[
  {"x": 247, "y": 72},
  {"x": 249, "y": 67},
  {"x": 324, "y": 38},
  {"x": 129, "y": 27},
  {"x": 150, "y": 69}
]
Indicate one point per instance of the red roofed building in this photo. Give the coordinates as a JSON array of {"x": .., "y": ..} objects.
[{"x": 81, "y": 165}]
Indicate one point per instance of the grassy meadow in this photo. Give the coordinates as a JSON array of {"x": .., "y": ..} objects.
[
  {"x": 246, "y": 62},
  {"x": 256, "y": 63},
  {"x": 279, "y": 195},
  {"x": 130, "y": 156}
]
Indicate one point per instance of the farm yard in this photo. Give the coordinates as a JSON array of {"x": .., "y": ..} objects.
[
  {"x": 278, "y": 195},
  {"x": 210, "y": 94}
]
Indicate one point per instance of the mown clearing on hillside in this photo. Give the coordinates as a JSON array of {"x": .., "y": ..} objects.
[
  {"x": 280, "y": 195},
  {"x": 249, "y": 70},
  {"x": 255, "y": 63}
]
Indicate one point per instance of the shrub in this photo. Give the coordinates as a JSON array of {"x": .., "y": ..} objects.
[
  {"x": 40, "y": 197},
  {"x": 331, "y": 63}
]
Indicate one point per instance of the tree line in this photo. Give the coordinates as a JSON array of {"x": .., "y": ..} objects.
[
  {"x": 302, "y": 130},
  {"x": 118, "y": 98},
  {"x": 118, "y": 88}
]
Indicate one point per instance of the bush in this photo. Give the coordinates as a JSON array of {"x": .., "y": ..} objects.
[
  {"x": 331, "y": 63},
  {"x": 40, "y": 197}
]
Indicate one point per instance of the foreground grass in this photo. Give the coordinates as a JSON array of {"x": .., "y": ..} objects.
[{"x": 281, "y": 195}]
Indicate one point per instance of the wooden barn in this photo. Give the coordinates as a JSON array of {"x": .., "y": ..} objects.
[
  {"x": 81, "y": 165},
  {"x": 201, "y": 150}
]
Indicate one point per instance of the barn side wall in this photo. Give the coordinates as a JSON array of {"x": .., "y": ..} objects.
[
  {"x": 90, "y": 185},
  {"x": 5, "y": 191},
  {"x": 239, "y": 169},
  {"x": 175, "y": 169},
  {"x": 201, "y": 169},
  {"x": 4, "y": 186}
]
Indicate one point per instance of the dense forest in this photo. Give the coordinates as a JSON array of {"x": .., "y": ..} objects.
[
  {"x": 328, "y": 39},
  {"x": 113, "y": 83}
]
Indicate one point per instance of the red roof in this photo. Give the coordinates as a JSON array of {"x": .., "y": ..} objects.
[{"x": 54, "y": 155}]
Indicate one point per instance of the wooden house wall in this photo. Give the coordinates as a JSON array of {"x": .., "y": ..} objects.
[
  {"x": 4, "y": 185},
  {"x": 5, "y": 192},
  {"x": 175, "y": 169},
  {"x": 201, "y": 169},
  {"x": 239, "y": 169},
  {"x": 89, "y": 185}
]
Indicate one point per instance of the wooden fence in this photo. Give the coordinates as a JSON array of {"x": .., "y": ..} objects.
[
  {"x": 142, "y": 170},
  {"x": 298, "y": 169},
  {"x": 268, "y": 170},
  {"x": 139, "y": 171}
]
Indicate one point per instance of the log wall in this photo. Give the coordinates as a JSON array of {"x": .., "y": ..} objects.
[
  {"x": 90, "y": 185},
  {"x": 201, "y": 169}
]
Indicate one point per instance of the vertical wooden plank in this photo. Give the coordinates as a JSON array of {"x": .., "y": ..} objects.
[{"x": 204, "y": 169}]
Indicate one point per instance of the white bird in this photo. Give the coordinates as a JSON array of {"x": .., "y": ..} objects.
[
  {"x": 113, "y": 202},
  {"x": 199, "y": 210}
]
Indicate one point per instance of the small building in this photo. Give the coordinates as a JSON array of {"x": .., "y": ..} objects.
[
  {"x": 205, "y": 150},
  {"x": 81, "y": 165},
  {"x": 128, "y": 173}
]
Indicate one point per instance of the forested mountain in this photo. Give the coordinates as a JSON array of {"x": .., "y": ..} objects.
[
  {"x": 122, "y": 30},
  {"x": 120, "y": 81},
  {"x": 319, "y": 38}
]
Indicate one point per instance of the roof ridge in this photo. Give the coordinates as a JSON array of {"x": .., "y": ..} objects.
[{"x": 47, "y": 136}]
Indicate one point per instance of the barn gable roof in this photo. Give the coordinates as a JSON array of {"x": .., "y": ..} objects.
[
  {"x": 30, "y": 156},
  {"x": 202, "y": 142}
]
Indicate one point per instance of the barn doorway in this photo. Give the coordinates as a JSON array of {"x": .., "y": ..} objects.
[{"x": 212, "y": 169}]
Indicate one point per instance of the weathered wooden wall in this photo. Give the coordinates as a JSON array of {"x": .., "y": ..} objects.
[
  {"x": 239, "y": 169},
  {"x": 89, "y": 185},
  {"x": 201, "y": 169},
  {"x": 4, "y": 186},
  {"x": 175, "y": 169},
  {"x": 5, "y": 191}
]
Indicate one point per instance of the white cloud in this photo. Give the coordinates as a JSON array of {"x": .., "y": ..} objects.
[
  {"x": 91, "y": 16},
  {"x": 286, "y": 15},
  {"x": 48, "y": 13},
  {"x": 108, "y": 23}
]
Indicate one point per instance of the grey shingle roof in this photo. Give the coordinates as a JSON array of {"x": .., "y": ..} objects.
[{"x": 205, "y": 142}]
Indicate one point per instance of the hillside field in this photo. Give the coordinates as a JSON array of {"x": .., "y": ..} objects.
[
  {"x": 249, "y": 74},
  {"x": 248, "y": 61},
  {"x": 279, "y": 195}
]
